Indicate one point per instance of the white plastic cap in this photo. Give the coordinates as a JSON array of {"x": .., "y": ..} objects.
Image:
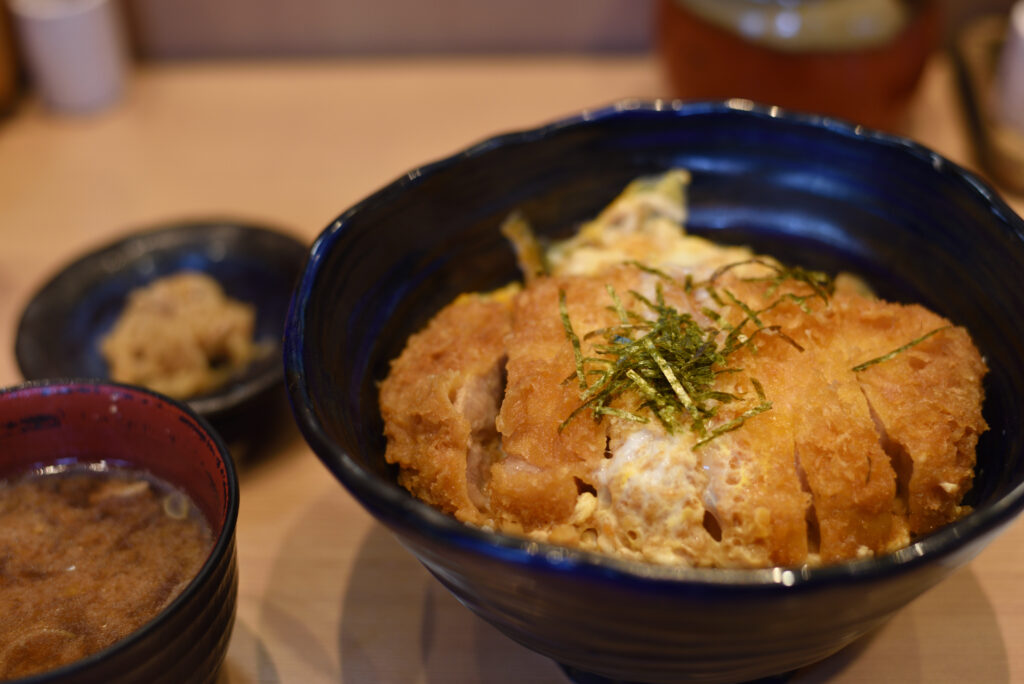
[
  {"x": 74, "y": 51},
  {"x": 1009, "y": 95}
]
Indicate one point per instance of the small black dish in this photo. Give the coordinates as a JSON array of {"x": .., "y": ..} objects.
[{"x": 61, "y": 327}]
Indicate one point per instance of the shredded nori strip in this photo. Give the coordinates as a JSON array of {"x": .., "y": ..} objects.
[
  {"x": 671, "y": 362},
  {"x": 899, "y": 350}
]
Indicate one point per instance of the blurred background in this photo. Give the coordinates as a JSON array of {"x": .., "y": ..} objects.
[
  {"x": 197, "y": 29},
  {"x": 697, "y": 39},
  {"x": 123, "y": 115}
]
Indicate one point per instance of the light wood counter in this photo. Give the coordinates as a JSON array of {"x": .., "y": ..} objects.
[{"x": 326, "y": 595}]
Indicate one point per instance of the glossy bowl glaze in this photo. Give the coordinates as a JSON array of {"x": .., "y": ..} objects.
[
  {"x": 810, "y": 190},
  {"x": 60, "y": 423},
  {"x": 62, "y": 325}
]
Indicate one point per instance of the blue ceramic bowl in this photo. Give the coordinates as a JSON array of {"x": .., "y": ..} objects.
[{"x": 810, "y": 190}]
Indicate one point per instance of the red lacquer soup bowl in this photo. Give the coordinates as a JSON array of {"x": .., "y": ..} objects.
[{"x": 56, "y": 426}]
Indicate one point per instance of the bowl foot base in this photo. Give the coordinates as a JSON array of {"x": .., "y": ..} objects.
[{"x": 579, "y": 676}]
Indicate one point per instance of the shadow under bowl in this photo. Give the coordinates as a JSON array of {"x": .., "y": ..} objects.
[
  {"x": 807, "y": 189},
  {"x": 62, "y": 326},
  {"x": 62, "y": 423}
]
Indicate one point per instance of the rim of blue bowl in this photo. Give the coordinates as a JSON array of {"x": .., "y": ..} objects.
[
  {"x": 402, "y": 510},
  {"x": 220, "y": 546}
]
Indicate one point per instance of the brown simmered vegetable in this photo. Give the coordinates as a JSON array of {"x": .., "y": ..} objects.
[{"x": 181, "y": 335}]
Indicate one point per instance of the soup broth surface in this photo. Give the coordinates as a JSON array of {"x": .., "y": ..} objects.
[{"x": 88, "y": 555}]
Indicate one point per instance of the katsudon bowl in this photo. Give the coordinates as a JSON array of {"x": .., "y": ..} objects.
[{"x": 810, "y": 190}]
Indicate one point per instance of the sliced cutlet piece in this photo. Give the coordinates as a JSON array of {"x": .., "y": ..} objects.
[
  {"x": 926, "y": 400},
  {"x": 440, "y": 401},
  {"x": 837, "y": 451},
  {"x": 535, "y": 482},
  {"x": 754, "y": 491},
  {"x": 650, "y": 487},
  {"x": 851, "y": 479},
  {"x": 754, "y": 495}
]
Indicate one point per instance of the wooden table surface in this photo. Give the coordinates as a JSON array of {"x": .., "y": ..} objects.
[{"x": 326, "y": 594}]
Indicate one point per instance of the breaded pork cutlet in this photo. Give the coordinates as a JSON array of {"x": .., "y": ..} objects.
[{"x": 652, "y": 396}]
